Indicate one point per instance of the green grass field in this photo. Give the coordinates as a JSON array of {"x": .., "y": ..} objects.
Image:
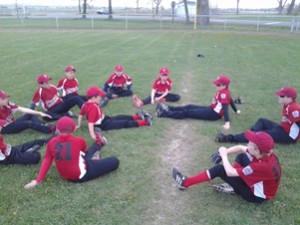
[{"x": 142, "y": 191}]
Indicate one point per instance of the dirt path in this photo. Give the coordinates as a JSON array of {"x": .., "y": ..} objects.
[{"x": 169, "y": 204}]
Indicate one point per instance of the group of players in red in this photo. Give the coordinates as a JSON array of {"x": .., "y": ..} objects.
[{"x": 255, "y": 174}]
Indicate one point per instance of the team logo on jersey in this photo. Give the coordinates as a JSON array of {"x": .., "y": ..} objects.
[
  {"x": 295, "y": 114},
  {"x": 247, "y": 170},
  {"x": 223, "y": 96}
]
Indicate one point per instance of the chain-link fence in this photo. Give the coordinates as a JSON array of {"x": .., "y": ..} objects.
[{"x": 128, "y": 20}]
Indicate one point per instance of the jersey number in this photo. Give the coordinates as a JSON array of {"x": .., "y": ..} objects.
[{"x": 63, "y": 151}]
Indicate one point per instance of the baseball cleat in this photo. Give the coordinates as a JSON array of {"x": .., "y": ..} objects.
[
  {"x": 141, "y": 114},
  {"x": 179, "y": 179},
  {"x": 100, "y": 139},
  {"x": 224, "y": 188}
]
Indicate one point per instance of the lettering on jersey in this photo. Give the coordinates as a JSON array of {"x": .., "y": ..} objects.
[
  {"x": 247, "y": 170},
  {"x": 295, "y": 114},
  {"x": 51, "y": 102},
  {"x": 72, "y": 90}
]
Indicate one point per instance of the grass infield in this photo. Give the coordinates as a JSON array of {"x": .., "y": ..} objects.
[{"x": 141, "y": 191}]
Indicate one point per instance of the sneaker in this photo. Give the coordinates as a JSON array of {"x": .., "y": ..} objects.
[
  {"x": 224, "y": 188},
  {"x": 162, "y": 106},
  {"x": 179, "y": 179},
  {"x": 141, "y": 114},
  {"x": 238, "y": 100},
  {"x": 221, "y": 138},
  {"x": 96, "y": 156},
  {"x": 104, "y": 101},
  {"x": 149, "y": 118},
  {"x": 72, "y": 115},
  {"x": 33, "y": 148},
  {"x": 100, "y": 139}
]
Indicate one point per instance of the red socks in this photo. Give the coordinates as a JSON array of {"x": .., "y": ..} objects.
[{"x": 199, "y": 178}]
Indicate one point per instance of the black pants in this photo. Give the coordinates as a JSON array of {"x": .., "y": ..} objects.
[
  {"x": 118, "y": 91},
  {"x": 24, "y": 122},
  {"x": 273, "y": 129},
  {"x": 117, "y": 122},
  {"x": 97, "y": 168},
  {"x": 191, "y": 111},
  {"x": 170, "y": 97},
  {"x": 19, "y": 155},
  {"x": 239, "y": 186},
  {"x": 62, "y": 109}
]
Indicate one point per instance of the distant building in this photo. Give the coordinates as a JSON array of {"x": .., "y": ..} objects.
[{"x": 180, "y": 10}]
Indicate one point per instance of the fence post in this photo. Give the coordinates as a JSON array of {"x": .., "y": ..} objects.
[
  {"x": 92, "y": 21},
  {"x": 257, "y": 25},
  {"x": 126, "y": 21},
  {"x": 297, "y": 24},
  {"x": 57, "y": 25},
  {"x": 225, "y": 23},
  {"x": 292, "y": 25}
]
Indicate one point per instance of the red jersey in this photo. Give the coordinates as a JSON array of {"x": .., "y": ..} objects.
[
  {"x": 68, "y": 86},
  {"x": 160, "y": 88},
  {"x": 262, "y": 176},
  {"x": 92, "y": 112},
  {"x": 7, "y": 113},
  {"x": 119, "y": 81},
  {"x": 68, "y": 153},
  {"x": 47, "y": 98},
  {"x": 221, "y": 97},
  {"x": 290, "y": 118}
]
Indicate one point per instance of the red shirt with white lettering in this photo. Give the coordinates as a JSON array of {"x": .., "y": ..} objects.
[
  {"x": 7, "y": 113},
  {"x": 68, "y": 86},
  {"x": 221, "y": 97},
  {"x": 68, "y": 152},
  {"x": 160, "y": 87},
  {"x": 290, "y": 118},
  {"x": 47, "y": 98},
  {"x": 262, "y": 176},
  {"x": 119, "y": 81},
  {"x": 92, "y": 112}
]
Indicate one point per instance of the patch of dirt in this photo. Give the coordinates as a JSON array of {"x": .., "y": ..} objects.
[{"x": 179, "y": 149}]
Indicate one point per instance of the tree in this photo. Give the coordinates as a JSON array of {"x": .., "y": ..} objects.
[
  {"x": 291, "y": 7},
  {"x": 157, "y": 4},
  {"x": 237, "y": 6},
  {"x": 79, "y": 6},
  {"x": 281, "y": 6},
  {"x": 137, "y": 6},
  {"x": 84, "y": 9},
  {"x": 187, "y": 16},
  {"x": 203, "y": 12},
  {"x": 110, "y": 12}
]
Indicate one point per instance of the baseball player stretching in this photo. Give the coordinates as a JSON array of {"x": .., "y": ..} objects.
[
  {"x": 287, "y": 132},
  {"x": 217, "y": 109},
  {"x": 47, "y": 96},
  {"x": 96, "y": 117},
  {"x": 160, "y": 91},
  {"x": 255, "y": 174},
  {"x": 21, "y": 154},
  {"x": 68, "y": 86},
  {"x": 74, "y": 160},
  {"x": 10, "y": 125},
  {"x": 118, "y": 84}
]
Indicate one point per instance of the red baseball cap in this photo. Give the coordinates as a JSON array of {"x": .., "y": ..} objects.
[
  {"x": 43, "y": 78},
  {"x": 70, "y": 68},
  {"x": 94, "y": 91},
  {"x": 164, "y": 71},
  {"x": 119, "y": 68},
  {"x": 222, "y": 80},
  {"x": 65, "y": 125},
  {"x": 3, "y": 95},
  {"x": 262, "y": 140},
  {"x": 287, "y": 91}
]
